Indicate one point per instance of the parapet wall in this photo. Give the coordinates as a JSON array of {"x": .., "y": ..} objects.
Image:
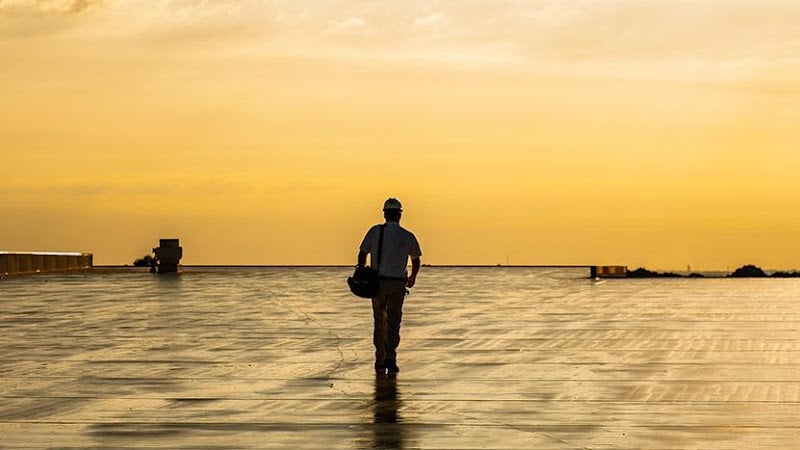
[{"x": 12, "y": 263}]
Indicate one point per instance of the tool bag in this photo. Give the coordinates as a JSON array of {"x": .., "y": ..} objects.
[{"x": 364, "y": 282}]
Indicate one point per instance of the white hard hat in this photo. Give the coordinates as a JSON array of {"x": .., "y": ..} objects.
[{"x": 392, "y": 204}]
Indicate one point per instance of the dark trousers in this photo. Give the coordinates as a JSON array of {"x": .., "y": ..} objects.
[{"x": 387, "y": 312}]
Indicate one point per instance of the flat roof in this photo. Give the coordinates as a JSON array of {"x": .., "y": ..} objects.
[{"x": 45, "y": 253}]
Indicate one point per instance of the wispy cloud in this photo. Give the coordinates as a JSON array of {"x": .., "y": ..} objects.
[
  {"x": 47, "y": 6},
  {"x": 431, "y": 20},
  {"x": 542, "y": 33},
  {"x": 353, "y": 25},
  {"x": 146, "y": 186}
]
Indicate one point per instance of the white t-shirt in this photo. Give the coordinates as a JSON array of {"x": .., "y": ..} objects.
[{"x": 398, "y": 245}]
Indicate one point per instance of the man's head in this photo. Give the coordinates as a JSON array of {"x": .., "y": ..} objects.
[{"x": 392, "y": 210}]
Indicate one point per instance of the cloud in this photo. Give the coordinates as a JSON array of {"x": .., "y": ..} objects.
[
  {"x": 47, "y": 6},
  {"x": 538, "y": 32},
  {"x": 660, "y": 30},
  {"x": 146, "y": 186},
  {"x": 354, "y": 25},
  {"x": 431, "y": 20},
  {"x": 157, "y": 24}
]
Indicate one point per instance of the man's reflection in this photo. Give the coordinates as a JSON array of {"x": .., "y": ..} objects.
[{"x": 387, "y": 431}]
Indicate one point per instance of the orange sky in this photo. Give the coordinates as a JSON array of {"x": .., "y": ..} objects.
[{"x": 658, "y": 133}]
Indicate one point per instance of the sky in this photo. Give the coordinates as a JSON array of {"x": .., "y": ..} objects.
[{"x": 657, "y": 133}]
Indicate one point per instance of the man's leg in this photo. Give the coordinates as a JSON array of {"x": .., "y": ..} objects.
[
  {"x": 379, "y": 329},
  {"x": 394, "y": 315}
]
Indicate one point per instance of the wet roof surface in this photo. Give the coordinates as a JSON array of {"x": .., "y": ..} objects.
[{"x": 283, "y": 360}]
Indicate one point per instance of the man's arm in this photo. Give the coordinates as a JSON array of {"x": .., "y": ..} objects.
[
  {"x": 365, "y": 248},
  {"x": 362, "y": 258},
  {"x": 412, "y": 279}
]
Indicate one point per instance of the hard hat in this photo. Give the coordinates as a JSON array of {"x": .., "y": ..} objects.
[{"x": 392, "y": 204}]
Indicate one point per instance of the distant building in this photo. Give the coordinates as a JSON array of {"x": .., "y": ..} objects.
[
  {"x": 609, "y": 271},
  {"x": 24, "y": 263}
]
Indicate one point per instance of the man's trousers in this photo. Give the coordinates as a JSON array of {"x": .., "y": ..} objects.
[{"x": 387, "y": 312}]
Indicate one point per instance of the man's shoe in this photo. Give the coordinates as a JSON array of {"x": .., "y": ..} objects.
[
  {"x": 380, "y": 369},
  {"x": 391, "y": 367}
]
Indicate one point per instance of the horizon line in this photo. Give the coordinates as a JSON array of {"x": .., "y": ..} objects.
[{"x": 521, "y": 266}]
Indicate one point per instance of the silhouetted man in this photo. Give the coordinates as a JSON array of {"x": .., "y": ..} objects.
[{"x": 387, "y": 307}]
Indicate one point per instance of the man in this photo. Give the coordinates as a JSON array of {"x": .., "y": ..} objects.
[{"x": 390, "y": 260}]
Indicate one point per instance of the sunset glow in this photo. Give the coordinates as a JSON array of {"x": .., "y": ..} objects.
[{"x": 657, "y": 133}]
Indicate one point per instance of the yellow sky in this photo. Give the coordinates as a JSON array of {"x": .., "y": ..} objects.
[{"x": 658, "y": 133}]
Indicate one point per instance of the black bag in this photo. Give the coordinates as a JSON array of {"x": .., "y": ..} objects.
[{"x": 364, "y": 282}]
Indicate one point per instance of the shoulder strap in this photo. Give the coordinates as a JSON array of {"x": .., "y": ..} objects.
[{"x": 380, "y": 249}]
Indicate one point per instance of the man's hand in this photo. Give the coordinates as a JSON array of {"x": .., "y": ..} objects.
[
  {"x": 412, "y": 279},
  {"x": 361, "y": 259}
]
